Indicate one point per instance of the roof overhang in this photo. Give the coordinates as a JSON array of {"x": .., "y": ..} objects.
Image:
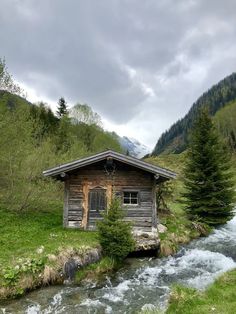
[{"x": 77, "y": 164}]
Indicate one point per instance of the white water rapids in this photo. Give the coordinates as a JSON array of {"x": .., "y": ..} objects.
[{"x": 143, "y": 284}]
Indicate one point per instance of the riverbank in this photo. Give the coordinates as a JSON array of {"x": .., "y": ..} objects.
[
  {"x": 220, "y": 297},
  {"x": 178, "y": 229},
  {"x": 34, "y": 248},
  {"x": 141, "y": 283}
]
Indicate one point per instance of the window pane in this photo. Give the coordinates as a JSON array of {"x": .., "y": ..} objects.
[
  {"x": 126, "y": 200},
  {"x": 134, "y": 201},
  {"x": 130, "y": 197}
]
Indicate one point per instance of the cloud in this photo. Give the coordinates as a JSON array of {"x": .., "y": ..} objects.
[{"x": 140, "y": 64}]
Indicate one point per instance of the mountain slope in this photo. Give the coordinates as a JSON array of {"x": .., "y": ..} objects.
[
  {"x": 133, "y": 146},
  {"x": 175, "y": 139},
  {"x": 225, "y": 121}
]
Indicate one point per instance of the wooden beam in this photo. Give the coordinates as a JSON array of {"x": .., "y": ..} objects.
[
  {"x": 109, "y": 194},
  {"x": 66, "y": 202},
  {"x": 85, "y": 205},
  {"x": 154, "y": 206}
]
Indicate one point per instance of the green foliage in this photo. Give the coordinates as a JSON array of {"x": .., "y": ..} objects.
[
  {"x": 115, "y": 234},
  {"x": 225, "y": 122},
  {"x": 62, "y": 108},
  {"x": 84, "y": 114},
  {"x": 164, "y": 193},
  {"x": 98, "y": 270},
  {"x": 32, "y": 140},
  {"x": 208, "y": 177},
  {"x": 176, "y": 138},
  {"x": 6, "y": 81},
  {"x": 12, "y": 274}
]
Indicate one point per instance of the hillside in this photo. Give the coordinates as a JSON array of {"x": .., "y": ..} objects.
[
  {"x": 175, "y": 139},
  {"x": 225, "y": 121},
  {"x": 34, "y": 139}
]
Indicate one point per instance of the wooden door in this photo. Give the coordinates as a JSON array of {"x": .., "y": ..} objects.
[{"x": 97, "y": 205}]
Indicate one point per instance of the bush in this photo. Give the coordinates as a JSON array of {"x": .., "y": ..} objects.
[{"x": 115, "y": 234}]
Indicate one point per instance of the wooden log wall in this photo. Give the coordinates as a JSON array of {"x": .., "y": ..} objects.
[{"x": 126, "y": 178}]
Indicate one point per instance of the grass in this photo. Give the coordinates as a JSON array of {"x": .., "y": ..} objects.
[
  {"x": 22, "y": 233},
  {"x": 219, "y": 298},
  {"x": 97, "y": 270}
]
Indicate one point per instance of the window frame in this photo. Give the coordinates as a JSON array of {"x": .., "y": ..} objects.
[{"x": 130, "y": 197}]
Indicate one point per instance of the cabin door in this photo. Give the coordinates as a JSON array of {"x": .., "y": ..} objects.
[{"x": 97, "y": 206}]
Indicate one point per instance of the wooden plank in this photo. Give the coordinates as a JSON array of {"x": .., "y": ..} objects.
[
  {"x": 142, "y": 229},
  {"x": 145, "y": 219},
  {"x": 73, "y": 224},
  {"x": 75, "y": 218},
  {"x": 66, "y": 197},
  {"x": 85, "y": 205},
  {"x": 109, "y": 194},
  {"x": 74, "y": 207},
  {"x": 154, "y": 206}
]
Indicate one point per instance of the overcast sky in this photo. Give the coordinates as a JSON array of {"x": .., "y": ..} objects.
[{"x": 139, "y": 63}]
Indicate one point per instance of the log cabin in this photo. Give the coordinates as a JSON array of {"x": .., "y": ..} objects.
[{"x": 90, "y": 183}]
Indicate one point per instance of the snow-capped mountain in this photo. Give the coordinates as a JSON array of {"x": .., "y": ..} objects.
[{"x": 133, "y": 146}]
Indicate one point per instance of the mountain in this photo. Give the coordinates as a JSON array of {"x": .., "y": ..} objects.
[
  {"x": 133, "y": 146},
  {"x": 175, "y": 139}
]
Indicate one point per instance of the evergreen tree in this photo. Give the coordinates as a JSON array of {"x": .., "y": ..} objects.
[
  {"x": 208, "y": 178},
  {"x": 115, "y": 234},
  {"x": 62, "y": 108}
]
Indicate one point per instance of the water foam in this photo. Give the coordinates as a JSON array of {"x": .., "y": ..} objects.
[
  {"x": 96, "y": 304},
  {"x": 205, "y": 265},
  {"x": 116, "y": 294},
  {"x": 33, "y": 309}
]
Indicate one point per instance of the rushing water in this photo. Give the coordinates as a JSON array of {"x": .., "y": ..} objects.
[{"x": 143, "y": 284}]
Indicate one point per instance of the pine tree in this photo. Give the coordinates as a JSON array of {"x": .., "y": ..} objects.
[
  {"x": 115, "y": 234},
  {"x": 62, "y": 108},
  {"x": 208, "y": 179}
]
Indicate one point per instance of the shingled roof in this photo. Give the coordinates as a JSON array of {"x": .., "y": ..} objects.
[{"x": 64, "y": 168}]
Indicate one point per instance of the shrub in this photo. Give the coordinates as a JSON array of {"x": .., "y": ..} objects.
[{"x": 115, "y": 234}]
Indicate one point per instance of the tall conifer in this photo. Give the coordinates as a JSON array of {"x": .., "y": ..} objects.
[
  {"x": 208, "y": 179},
  {"x": 62, "y": 108}
]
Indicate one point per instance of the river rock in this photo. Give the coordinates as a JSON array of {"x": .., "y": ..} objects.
[
  {"x": 69, "y": 269},
  {"x": 78, "y": 261},
  {"x": 146, "y": 242},
  {"x": 161, "y": 228}
]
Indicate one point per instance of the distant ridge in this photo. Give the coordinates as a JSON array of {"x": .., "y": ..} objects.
[
  {"x": 133, "y": 147},
  {"x": 174, "y": 140}
]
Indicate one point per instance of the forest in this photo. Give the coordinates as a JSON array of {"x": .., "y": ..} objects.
[
  {"x": 175, "y": 139},
  {"x": 33, "y": 139}
]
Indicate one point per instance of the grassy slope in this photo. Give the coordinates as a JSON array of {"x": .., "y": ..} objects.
[
  {"x": 219, "y": 298},
  {"x": 24, "y": 232},
  {"x": 225, "y": 119}
]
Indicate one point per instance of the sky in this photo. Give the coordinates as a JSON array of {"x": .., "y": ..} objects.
[{"x": 140, "y": 64}]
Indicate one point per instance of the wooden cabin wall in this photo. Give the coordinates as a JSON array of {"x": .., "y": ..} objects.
[{"x": 142, "y": 216}]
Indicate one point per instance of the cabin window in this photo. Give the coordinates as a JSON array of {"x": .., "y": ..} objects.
[{"x": 130, "y": 198}]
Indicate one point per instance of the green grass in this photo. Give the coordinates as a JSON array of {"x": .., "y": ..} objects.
[
  {"x": 219, "y": 298},
  {"x": 98, "y": 270},
  {"x": 23, "y": 233}
]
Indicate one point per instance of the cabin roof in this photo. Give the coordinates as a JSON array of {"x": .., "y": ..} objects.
[{"x": 76, "y": 164}]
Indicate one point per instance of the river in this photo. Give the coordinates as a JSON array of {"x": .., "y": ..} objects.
[{"x": 142, "y": 284}]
